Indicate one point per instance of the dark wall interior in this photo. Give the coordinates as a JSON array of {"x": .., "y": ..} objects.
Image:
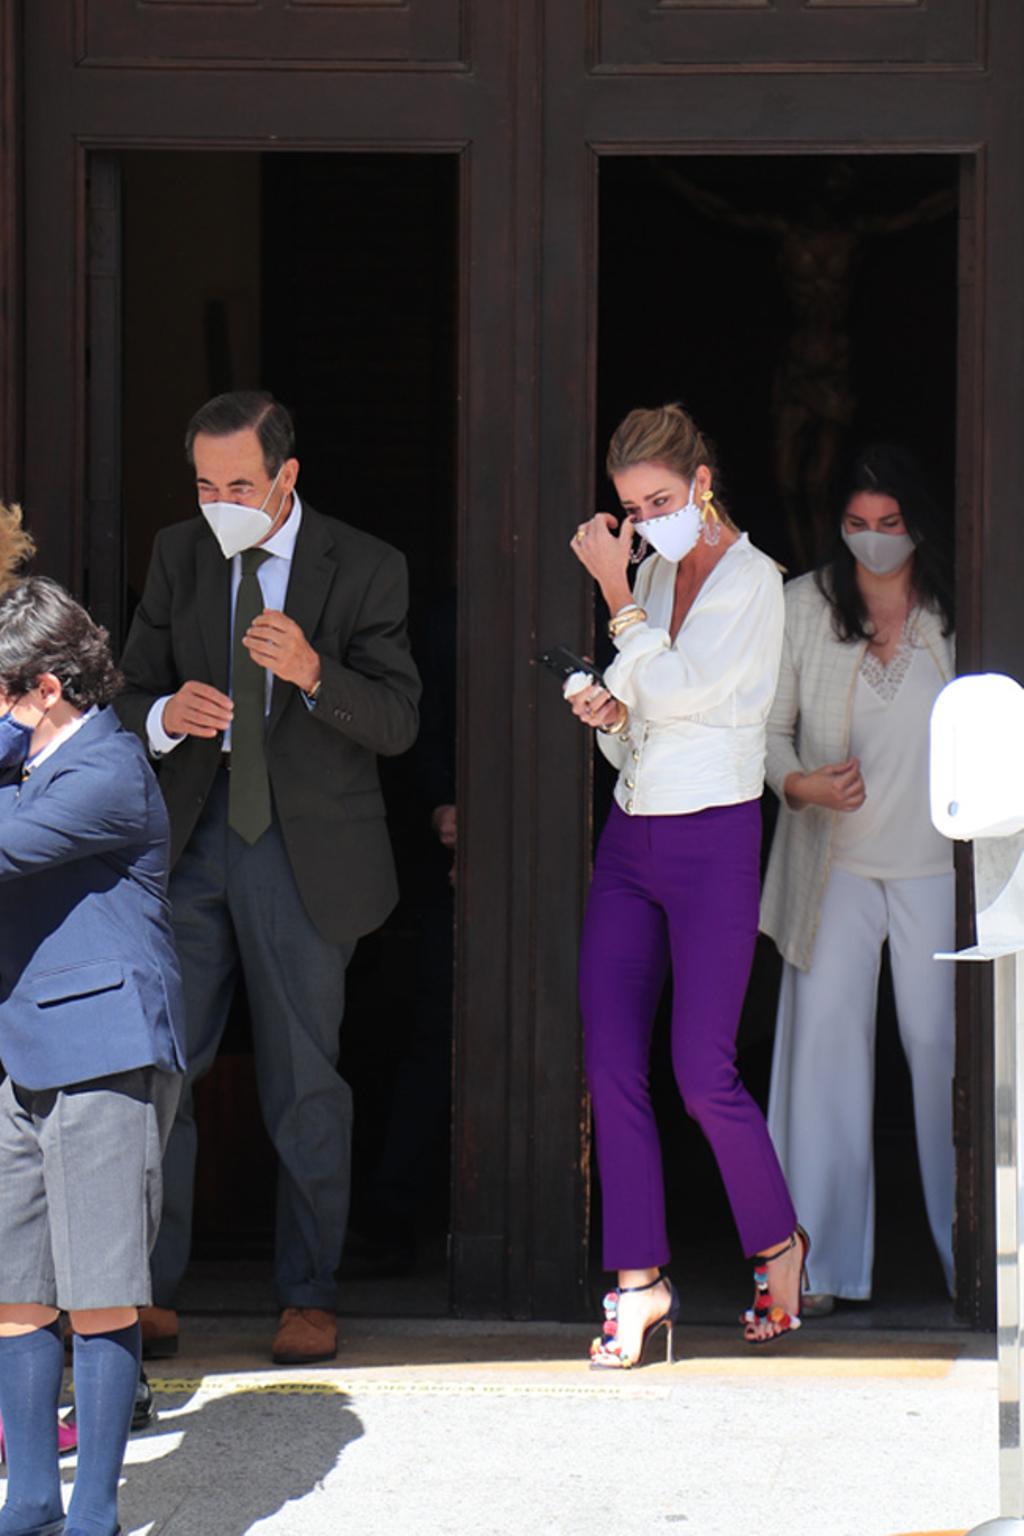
[
  {"x": 708, "y": 285},
  {"x": 699, "y": 302},
  {"x": 329, "y": 279}
]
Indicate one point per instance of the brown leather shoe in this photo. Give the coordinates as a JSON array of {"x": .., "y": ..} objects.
[
  {"x": 159, "y": 1332},
  {"x": 305, "y": 1335}
]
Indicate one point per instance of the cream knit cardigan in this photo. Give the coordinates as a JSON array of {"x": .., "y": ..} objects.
[{"x": 809, "y": 726}]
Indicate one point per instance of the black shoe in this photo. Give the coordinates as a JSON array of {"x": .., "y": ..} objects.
[{"x": 144, "y": 1412}]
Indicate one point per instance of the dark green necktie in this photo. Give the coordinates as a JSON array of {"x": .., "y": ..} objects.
[{"x": 249, "y": 794}]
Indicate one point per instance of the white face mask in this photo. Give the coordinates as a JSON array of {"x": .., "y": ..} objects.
[
  {"x": 236, "y": 527},
  {"x": 673, "y": 534},
  {"x": 879, "y": 553}
]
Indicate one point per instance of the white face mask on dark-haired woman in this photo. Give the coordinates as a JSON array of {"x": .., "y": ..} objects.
[
  {"x": 236, "y": 526},
  {"x": 879, "y": 553}
]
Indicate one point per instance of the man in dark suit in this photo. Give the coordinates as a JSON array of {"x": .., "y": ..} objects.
[{"x": 267, "y": 667}]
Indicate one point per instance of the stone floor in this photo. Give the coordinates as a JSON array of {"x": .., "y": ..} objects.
[{"x": 449, "y": 1428}]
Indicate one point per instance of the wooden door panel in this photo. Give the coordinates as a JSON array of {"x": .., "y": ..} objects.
[
  {"x": 330, "y": 33},
  {"x": 667, "y": 34}
]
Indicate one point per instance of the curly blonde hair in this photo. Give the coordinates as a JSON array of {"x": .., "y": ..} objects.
[{"x": 16, "y": 546}]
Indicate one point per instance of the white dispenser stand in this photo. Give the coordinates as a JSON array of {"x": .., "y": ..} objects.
[{"x": 977, "y": 794}]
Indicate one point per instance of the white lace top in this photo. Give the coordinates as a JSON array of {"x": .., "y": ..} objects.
[{"x": 891, "y": 836}]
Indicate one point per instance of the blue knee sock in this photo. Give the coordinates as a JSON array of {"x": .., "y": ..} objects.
[
  {"x": 31, "y": 1368},
  {"x": 106, "y": 1375}
]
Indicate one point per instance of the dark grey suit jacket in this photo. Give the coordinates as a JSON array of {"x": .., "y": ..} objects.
[{"x": 348, "y": 592}]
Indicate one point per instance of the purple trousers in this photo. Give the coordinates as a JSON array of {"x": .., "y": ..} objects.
[{"x": 679, "y": 890}]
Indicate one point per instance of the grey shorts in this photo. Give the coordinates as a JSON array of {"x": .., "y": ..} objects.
[{"x": 80, "y": 1189}]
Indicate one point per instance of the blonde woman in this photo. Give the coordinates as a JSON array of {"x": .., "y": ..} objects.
[
  {"x": 16, "y": 547},
  {"x": 676, "y": 877},
  {"x": 856, "y": 862}
]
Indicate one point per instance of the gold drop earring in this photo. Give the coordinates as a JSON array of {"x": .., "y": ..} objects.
[{"x": 711, "y": 523}]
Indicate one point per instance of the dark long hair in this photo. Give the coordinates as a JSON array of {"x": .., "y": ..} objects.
[{"x": 884, "y": 469}]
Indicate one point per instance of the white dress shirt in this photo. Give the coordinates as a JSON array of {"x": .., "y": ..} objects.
[
  {"x": 698, "y": 705},
  {"x": 272, "y": 576},
  {"x": 64, "y": 734}
]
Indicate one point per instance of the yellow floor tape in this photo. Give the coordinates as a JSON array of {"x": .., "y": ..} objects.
[{"x": 224, "y": 1386}]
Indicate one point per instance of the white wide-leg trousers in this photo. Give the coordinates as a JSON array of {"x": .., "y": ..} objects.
[{"x": 821, "y": 1103}]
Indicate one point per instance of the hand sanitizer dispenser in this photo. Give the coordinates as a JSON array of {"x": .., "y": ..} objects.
[
  {"x": 977, "y": 758},
  {"x": 977, "y": 793}
]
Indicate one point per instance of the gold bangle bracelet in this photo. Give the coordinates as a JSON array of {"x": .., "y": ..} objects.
[
  {"x": 624, "y": 615},
  {"x": 621, "y": 623},
  {"x": 619, "y": 726}
]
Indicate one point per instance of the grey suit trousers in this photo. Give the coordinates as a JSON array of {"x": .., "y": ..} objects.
[{"x": 236, "y": 909}]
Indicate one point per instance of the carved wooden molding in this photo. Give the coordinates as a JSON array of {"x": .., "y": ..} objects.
[
  {"x": 240, "y": 34},
  {"x": 11, "y": 292},
  {"x": 678, "y": 36}
]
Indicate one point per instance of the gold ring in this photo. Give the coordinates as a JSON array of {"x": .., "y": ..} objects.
[{"x": 580, "y": 531}]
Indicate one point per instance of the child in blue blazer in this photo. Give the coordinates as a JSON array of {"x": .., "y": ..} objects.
[{"x": 91, "y": 1046}]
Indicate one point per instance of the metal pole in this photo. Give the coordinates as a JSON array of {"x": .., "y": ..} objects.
[{"x": 1008, "y": 982}]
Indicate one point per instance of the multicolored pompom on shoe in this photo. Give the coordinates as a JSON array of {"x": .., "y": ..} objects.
[{"x": 765, "y": 1308}]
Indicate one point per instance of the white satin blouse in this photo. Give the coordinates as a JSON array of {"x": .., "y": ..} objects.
[{"x": 698, "y": 705}]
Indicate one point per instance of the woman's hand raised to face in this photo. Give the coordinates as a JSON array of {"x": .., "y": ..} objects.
[
  {"x": 605, "y": 554},
  {"x": 835, "y": 787}
]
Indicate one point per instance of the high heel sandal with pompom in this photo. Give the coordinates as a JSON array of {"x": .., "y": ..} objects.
[
  {"x": 605, "y": 1354},
  {"x": 767, "y": 1310}
]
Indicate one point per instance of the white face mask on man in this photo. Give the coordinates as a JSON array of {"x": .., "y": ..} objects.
[
  {"x": 673, "y": 534},
  {"x": 879, "y": 553},
  {"x": 237, "y": 527}
]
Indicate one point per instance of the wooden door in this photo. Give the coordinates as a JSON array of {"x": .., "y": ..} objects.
[
  {"x": 529, "y": 97},
  {"x": 97, "y": 77},
  {"x": 627, "y": 77}
]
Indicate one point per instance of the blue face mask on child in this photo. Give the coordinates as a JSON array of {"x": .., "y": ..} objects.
[{"x": 14, "y": 741}]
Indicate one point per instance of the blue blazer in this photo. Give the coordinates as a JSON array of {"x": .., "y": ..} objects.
[{"x": 89, "y": 979}]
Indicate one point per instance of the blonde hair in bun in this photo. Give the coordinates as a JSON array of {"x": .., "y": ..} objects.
[{"x": 665, "y": 435}]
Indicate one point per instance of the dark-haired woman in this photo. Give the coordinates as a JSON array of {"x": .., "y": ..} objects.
[
  {"x": 856, "y": 862},
  {"x": 91, "y": 1044}
]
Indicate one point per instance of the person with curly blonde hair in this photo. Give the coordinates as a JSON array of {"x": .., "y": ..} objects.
[{"x": 16, "y": 546}]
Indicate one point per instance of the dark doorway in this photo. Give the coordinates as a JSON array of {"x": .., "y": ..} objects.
[
  {"x": 813, "y": 298},
  {"x": 329, "y": 279}
]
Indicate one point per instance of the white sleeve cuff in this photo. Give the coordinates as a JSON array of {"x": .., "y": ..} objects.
[{"x": 160, "y": 743}]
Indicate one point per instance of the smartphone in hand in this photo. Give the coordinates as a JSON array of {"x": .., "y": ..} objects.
[{"x": 564, "y": 663}]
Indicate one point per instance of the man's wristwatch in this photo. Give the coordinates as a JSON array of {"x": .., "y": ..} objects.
[{"x": 312, "y": 694}]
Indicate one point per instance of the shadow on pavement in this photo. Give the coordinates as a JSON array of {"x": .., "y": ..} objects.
[{"x": 221, "y": 1464}]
